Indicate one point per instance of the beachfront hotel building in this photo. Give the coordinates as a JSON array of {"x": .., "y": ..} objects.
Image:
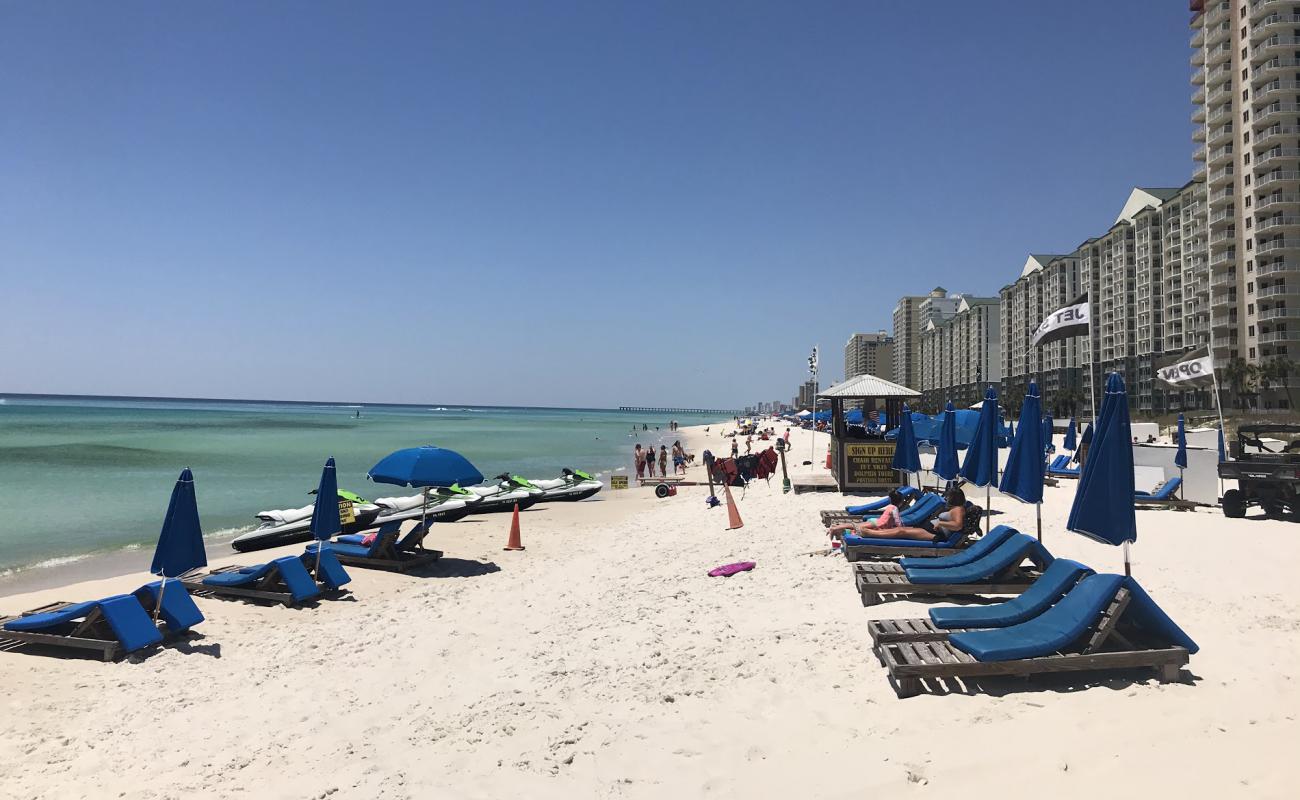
[
  {"x": 1246, "y": 95},
  {"x": 960, "y": 355},
  {"x": 869, "y": 354},
  {"x": 910, "y": 317}
]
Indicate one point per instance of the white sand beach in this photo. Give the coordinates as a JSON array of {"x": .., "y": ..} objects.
[{"x": 603, "y": 662}]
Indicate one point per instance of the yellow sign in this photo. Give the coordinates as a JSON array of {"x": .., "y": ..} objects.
[
  {"x": 346, "y": 515},
  {"x": 618, "y": 481},
  {"x": 867, "y": 464}
]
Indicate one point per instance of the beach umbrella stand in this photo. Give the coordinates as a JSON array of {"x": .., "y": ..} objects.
[{"x": 180, "y": 543}]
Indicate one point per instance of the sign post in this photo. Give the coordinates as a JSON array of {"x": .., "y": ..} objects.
[
  {"x": 781, "y": 446},
  {"x": 618, "y": 481},
  {"x": 346, "y": 513}
]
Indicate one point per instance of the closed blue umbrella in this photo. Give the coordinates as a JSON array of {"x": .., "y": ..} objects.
[
  {"x": 325, "y": 522},
  {"x": 945, "y": 461},
  {"x": 423, "y": 467},
  {"x": 1180, "y": 457},
  {"x": 1023, "y": 477},
  {"x": 1103, "y": 501},
  {"x": 180, "y": 543},
  {"x": 981, "y": 464},
  {"x": 906, "y": 458},
  {"x": 1071, "y": 442},
  {"x": 1087, "y": 435},
  {"x": 1223, "y": 451},
  {"x": 1048, "y": 424}
]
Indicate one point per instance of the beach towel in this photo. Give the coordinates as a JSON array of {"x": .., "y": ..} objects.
[{"x": 728, "y": 570}]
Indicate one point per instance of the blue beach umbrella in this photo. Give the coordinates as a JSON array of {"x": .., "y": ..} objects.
[
  {"x": 1103, "y": 502},
  {"x": 1023, "y": 477},
  {"x": 1223, "y": 451},
  {"x": 423, "y": 467},
  {"x": 180, "y": 543},
  {"x": 1071, "y": 442},
  {"x": 1048, "y": 424},
  {"x": 906, "y": 458},
  {"x": 981, "y": 464},
  {"x": 945, "y": 460},
  {"x": 325, "y": 522},
  {"x": 1180, "y": 457}
]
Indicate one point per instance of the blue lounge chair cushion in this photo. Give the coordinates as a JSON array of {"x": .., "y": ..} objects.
[
  {"x": 1059, "y": 462},
  {"x": 1050, "y": 587},
  {"x": 1143, "y": 613},
  {"x": 354, "y": 550},
  {"x": 851, "y": 539},
  {"x": 352, "y": 538},
  {"x": 295, "y": 576},
  {"x": 178, "y": 608},
  {"x": 986, "y": 544},
  {"x": 1007, "y": 554},
  {"x": 876, "y": 505},
  {"x": 1050, "y": 631},
  {"x": 130, "y": 623},
  {"x": 1165, "y": 492},
  {"x": 330, "y": 572}
]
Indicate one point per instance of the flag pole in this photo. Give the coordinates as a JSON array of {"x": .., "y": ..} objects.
[{"x": 1218, "y": 407}]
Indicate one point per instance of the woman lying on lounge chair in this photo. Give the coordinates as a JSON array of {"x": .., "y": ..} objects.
[
  {"x": 939, "y": 527},
  {"x": 887, "y": 520}
]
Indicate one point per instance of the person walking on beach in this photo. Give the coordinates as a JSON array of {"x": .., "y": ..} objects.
[
  {"x": 650, "y": 461},
  {"x": 679, "y": 458},
  {"x": 638, "y": 456},
  {"x": 663, "y": 461},
  {"x": 735, "y": 448}
]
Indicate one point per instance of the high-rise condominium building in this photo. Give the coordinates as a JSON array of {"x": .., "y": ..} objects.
[
  {"x": 910, "y": 316},
  {"x": 1148, "y": 283},
  {"x": 869, "y": 354},
  {"x": 1246, "y": 55},
  {"x": 961, "y": 355}
]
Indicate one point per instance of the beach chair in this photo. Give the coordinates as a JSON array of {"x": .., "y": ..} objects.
[
  {"x": 1104, "y": 622},
  {"x": 1055, "y": 581},
  {"x": 327, "y": 571},
  {"x": 1060, "y": 462},
  {"x": 869, "y": 548},
  {"x": 998, "y": 571},
  {"x": 926, "y": 505},
  {"x": 385, "y": 551},
  {"x": 1164, "y": 496},
  {"x": 281, "y": 580},
  {"x": 908, "y": 493},
  {"x": 113, "y": 626}
]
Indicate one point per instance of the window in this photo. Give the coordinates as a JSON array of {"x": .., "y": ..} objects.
[
  {"x": 1243, "y": 54},
  {"x": 1250, "y": 244},
  {"x": 1246, "y": 158},
  {"x": 1247, "y": 180},
  {"x": 1246, "y": 137},
  {"x": 1245, "y": 116},
  {"x": 1250, "y": 287},
  {"x": 1250, "y": 331},
  {"x": 1252, "y": 352},
  {"x": 1250, "y": 308},
  {"x": 1245, "y": 94},
  {"x": 1248, "y": 221}
]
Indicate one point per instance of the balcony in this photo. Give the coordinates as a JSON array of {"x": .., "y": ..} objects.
[
  {"x": 1198, "y": 97},
  {"x": 1224, "y": 279},
  {"x": 1271, "y": 66},
  {"x": 1273, "y": 223},
  {"x": 1276, "y": 22},
  {"x": 1224, "y": 341},
  {"x": 1227, "y": 236},
  {"x": 1279, "y": 313},
  {"x": 1278, "y": 177},
  {"x": 1218, "y": 155},
  {"x": 1276, "y": 156},
  {"x": 1276, "y": 89},
  {"x": 1261, "y": 8},
  {"x": 1221, "y": 196},
  {"x": 1198, "y": 114},
  {"x": 1221, "y": 175},
  {"x": 1199, "y": 153},
  {"x": 1283, "y": 132},
  {"x": 1219, "y": 217},
  {"x": 1198, "y": 58},
  {"x": 1279, "y": 336},
  {"x": 1275, "y": 245},
  {"x": 1222, "y": 112},
  {"x": 1215, "y": 137},
  {"x": 1264, "y": 49},
  {"x": 1275, "y": 112},
  {"x": 1279, "y": 290},
  {"x": 1277, "y": 200},
  {"x": 1276, "y": 268}
]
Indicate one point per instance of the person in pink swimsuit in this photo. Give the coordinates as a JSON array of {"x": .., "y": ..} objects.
[{"x": 887, "y": 521}]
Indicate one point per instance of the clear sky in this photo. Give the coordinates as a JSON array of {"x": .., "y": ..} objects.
[{"x": 554, "y": 203}]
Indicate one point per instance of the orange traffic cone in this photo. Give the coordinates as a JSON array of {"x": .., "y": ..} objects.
[
  {"x": 514, "y": 543},
  {"x": 733, "y": 514}
]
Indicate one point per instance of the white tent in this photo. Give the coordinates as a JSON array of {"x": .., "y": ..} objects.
[{"x": 804, "y": 413}]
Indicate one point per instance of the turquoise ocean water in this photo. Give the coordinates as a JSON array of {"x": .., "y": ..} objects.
[{"x": 85, "y": 476}]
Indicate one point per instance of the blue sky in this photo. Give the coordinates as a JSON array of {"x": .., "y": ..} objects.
[{"x": 544, "y": 203}]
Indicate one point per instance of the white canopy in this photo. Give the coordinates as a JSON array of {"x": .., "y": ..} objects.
[{"x": 804, "y": 413}]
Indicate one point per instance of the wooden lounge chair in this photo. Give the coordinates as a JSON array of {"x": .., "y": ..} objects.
[
  {"x": 386, "y": 551},
  {"x": 1055, "y": 582},
  {"x": 112, "y": 627},
  {"x": 1104, "y": 622},
  {"x": 1164, "y": 497},
  {"x": 997, "y": 571},
  {"x": 867, "y": 548},
  {"x": 281, "y": 580},
  {"x": 922, "y": 508}
]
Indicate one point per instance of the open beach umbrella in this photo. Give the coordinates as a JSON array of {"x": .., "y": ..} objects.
[
  {"x": 1071, "y": 442},
  {"x": 423, "y": 467},
  {"x": 945, "y": 461},
  {"x": 1023, "y": 477},
  {"x": 1048, "y": 424},
  {"x": 325, "y": 522},
  {"x": 180, "y": 543},
  {"x": 906, "y": 458},
  {"x": 1103, "y": 502},
  {"x": 981, "y": 464}
]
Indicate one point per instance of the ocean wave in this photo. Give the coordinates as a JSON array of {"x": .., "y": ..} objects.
[
  {"x": 59, "y": 561},
  {"x": 222, "y": 533}
]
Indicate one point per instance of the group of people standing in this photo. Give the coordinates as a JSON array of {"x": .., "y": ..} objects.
[{"x": 645, "y": 460}]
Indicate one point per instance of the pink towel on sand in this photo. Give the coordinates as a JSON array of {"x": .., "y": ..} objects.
[{"x": 731, "y": 569}]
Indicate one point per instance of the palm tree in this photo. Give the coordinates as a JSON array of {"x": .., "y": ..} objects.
[
  {"x": 1279, "y": 371},
  {"x": 1241, "y": 377}
]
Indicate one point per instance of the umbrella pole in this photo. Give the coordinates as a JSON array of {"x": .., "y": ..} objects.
[
  {"x": 424, "y": 510},
  {"x": 158, "y": 606},
  {"x": 1182, "y": 491},
  {"x": 1039, "y": 508},
  {"x": 1128, "y": 572},
  {"x": 988, "y": 504}
]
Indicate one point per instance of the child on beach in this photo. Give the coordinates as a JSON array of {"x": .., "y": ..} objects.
[
  {"x": 887, "y": 520},
  {"x": 663, "y": 461},
  {"x": 638, "y": 456}
]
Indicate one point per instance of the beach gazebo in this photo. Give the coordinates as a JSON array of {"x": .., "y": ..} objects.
[{"x": 861, "y": 461}]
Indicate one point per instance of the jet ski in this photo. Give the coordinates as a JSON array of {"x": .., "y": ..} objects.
[
  {"x": 288, "y": 526},
  {"x": 504, "y": 494},
  {"x": 443, "y": 505},
  {"x": 573, "y": 486}
]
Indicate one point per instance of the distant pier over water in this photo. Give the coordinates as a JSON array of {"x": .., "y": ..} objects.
[{"x": 650, "y": 410}]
